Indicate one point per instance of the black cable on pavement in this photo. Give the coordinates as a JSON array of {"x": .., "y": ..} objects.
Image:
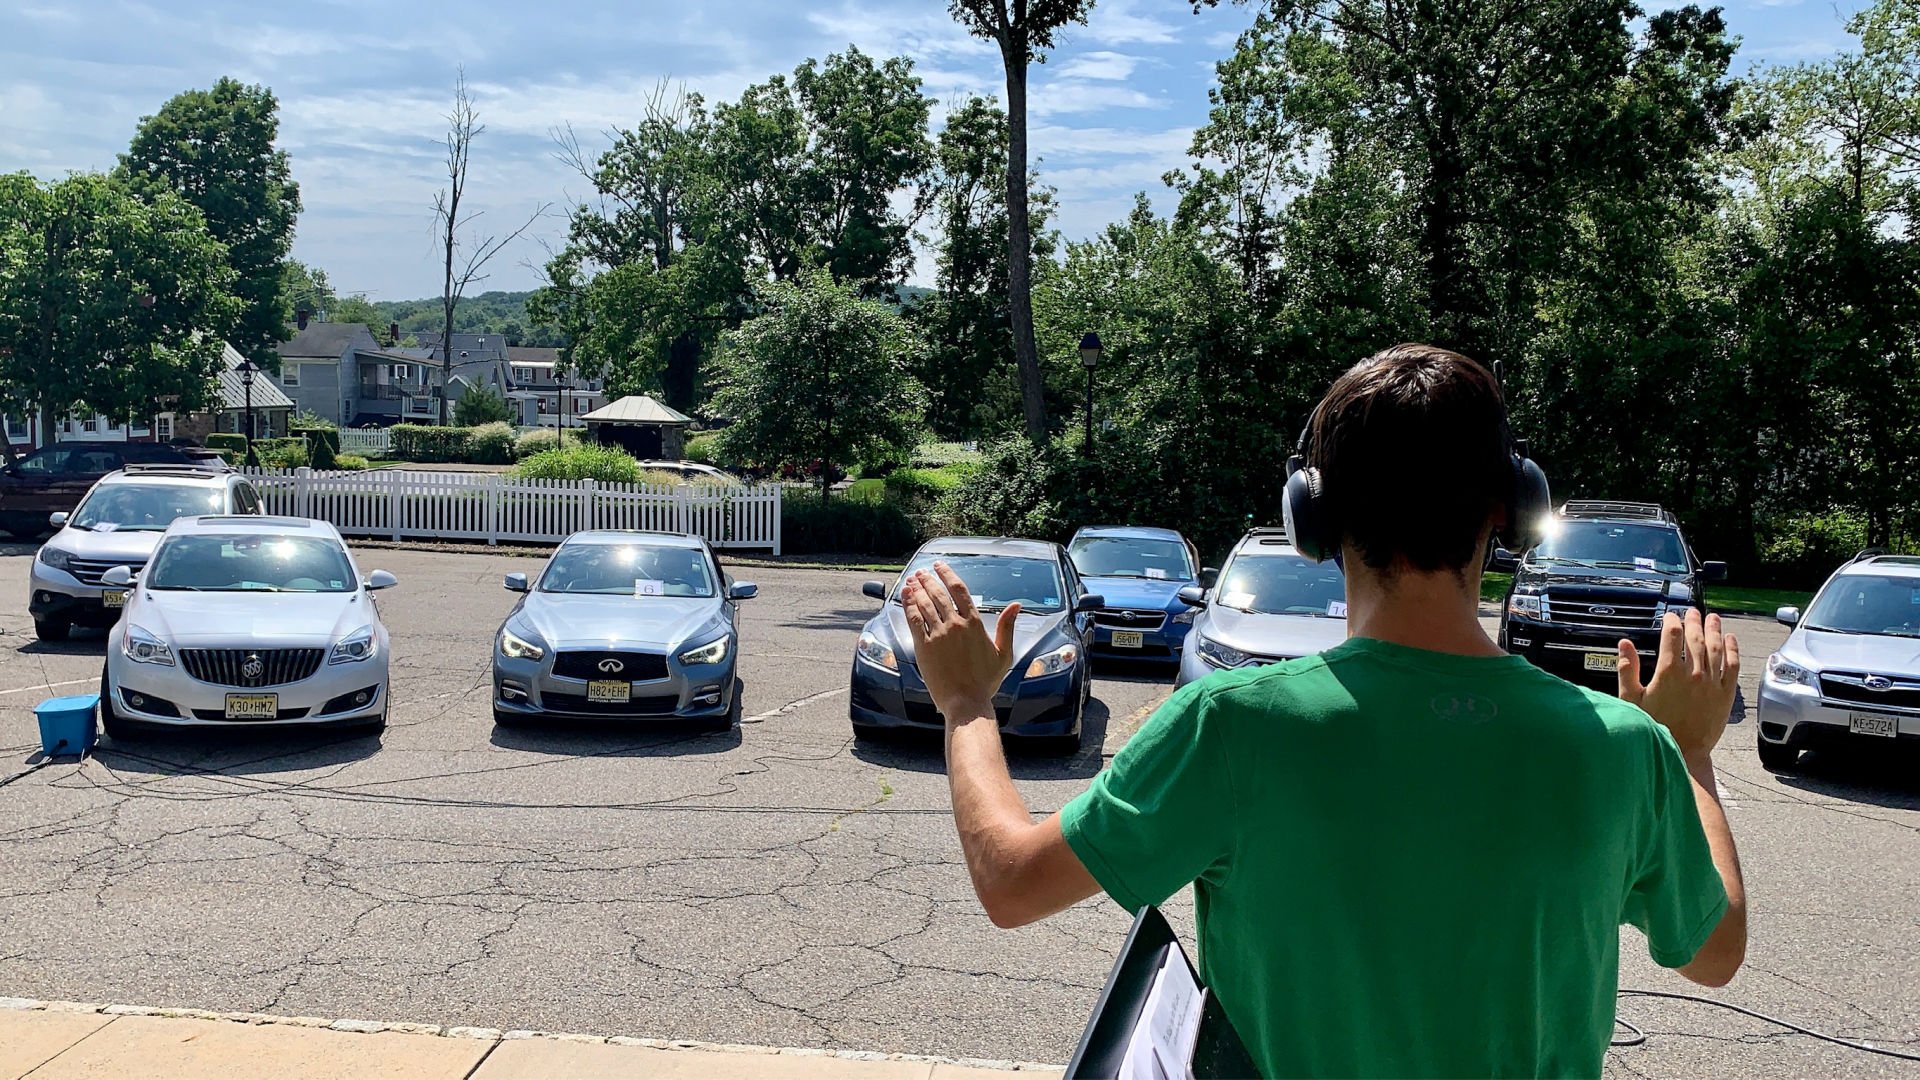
[
  {"x": 1865, "y": 1048},
  {"x": 33, "y": 768}
]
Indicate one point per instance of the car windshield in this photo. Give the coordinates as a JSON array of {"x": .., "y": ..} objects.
[
  {"x": 628, "y": 570},
  {"x": 249, "y": 562},
  {"x": 1283, "y": 585},
  {"x": 1868, "y": 604},
  {"x": 1612, "y": 544},
  {"x": 145, "y": 507},
  {"x": 998, "y": 580},
  {"x": 1131, "y": 556}
]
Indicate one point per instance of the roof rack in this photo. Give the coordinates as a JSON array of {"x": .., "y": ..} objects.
[
  {"x": 1868, "y": 553},
  {"x": 1612, "y": 508},
  {"x": 176, "y": 468},
  {"x": 1269, "y": 534}
]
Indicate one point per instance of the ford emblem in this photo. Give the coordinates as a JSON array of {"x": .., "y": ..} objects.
[
  {"x": 1877, "y": 682},
  {"x": 611, "y": 666},
  {"x": 1599, "y": 609}
]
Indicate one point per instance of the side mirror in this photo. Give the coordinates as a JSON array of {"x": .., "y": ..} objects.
[
  {"x": 1503, "y": 561},
  {"x": 742, "y": 590},
  {"x": 1713, "y": 571},
  {"x": 1089, "y": 602},
  {"x": 1209, "y": 576},
  {"x": 1193, "y": 596},
  {"x": 1788, "y": 615},
  {"x": 58, "y": 521},
  {"x": 875, "y": 589},
  {"x": 120, "y": 577},
  {"x": 515, "y": 582},
  {"x": 380, "y": 579}
]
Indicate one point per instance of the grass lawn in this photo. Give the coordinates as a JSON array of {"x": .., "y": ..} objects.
[
  {"x": 1730, "y": 599},
  {"x": 871, "y": 490}
]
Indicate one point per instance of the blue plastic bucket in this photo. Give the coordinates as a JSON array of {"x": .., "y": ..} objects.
[{"x": 66, "y": 724}]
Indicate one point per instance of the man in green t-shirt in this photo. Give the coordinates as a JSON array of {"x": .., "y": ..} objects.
[{"x": 1411, "y": 854}]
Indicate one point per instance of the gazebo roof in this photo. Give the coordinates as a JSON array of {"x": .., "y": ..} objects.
[{"x": 637, "y": 409}]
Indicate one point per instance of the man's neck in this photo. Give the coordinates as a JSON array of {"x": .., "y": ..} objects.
[{"x": 1439, "y": 612}]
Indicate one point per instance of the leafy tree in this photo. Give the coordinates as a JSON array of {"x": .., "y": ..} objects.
[
  {"x": 107, "y": 300},
  {"x": 820, "y": 379},
  {"x": 215, "y": 149},
  {"x": 481, "y": 405}
]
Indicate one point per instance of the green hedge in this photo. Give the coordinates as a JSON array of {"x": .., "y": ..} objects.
[
  {"x": 219, "y": 440},
  {"x": 491, "y": 444},
  {"x": 419, "y": 442},
  {"x": 843, "y": 526},
  {"x": 600, "y": 463},
  {"x": 924, "y": 486}
]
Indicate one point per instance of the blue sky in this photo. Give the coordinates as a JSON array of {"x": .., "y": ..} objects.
[{"x": 363, "y": 92}]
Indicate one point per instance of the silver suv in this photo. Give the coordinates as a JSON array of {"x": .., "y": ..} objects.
[
  {"x": 1850, "y": 671},
  {"x": 119, "y": 523},
  {"x": 1271, "y": 604}
]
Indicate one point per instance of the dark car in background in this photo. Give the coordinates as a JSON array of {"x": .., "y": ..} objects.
[
  {"x": 1042, "y": 698},
  {"x": 53, "y": 479},
  {"x": 1140, "y": 572},
  {"x": 1606, "y": 570}
]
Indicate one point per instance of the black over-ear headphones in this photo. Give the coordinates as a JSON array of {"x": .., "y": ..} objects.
[{"x": 1315, "y": 532}]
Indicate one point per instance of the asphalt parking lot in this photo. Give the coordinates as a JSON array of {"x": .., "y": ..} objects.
[{"x": 777, "y": 885}]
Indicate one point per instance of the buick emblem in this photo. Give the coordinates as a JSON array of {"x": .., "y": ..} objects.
[
  {"x": 611, "y": 666},
  {"x": 1877, "y": 682},
  {"x": 253, "y": 668},
  {"x": 1601, "y": 609}
]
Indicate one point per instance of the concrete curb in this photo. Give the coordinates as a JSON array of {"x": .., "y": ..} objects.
[{"x": 375, "y": 1027}]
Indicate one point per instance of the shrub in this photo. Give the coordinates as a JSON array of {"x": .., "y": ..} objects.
[
  {"x": 418, "y": 442},
  {"x": 1803, "y": 549},
  {"x": 481, "y": 405},
  {"x": 923, "y": 487},
  {"x": 289, "y": 453},
  {"x": 351, "y": 463},
  {"x": 491, "y": 444},
  {"x": 601, "y": 463},
  {"x": 703, "y": 448},
  {"x": 235, "y": 444},
  {"x": 843, "y": 526},
  {"x": 534, "y": 442},
  {"x": 324, "y": 451},
  {"x": 1018, "y": 489}
]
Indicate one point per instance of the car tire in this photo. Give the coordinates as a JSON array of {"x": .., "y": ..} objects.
[
  {"x": 372, "y": 727},
  {"x": 52, "y": 629},
  {"x": 110, "y": 722},
  {"x": 1778, "y": 757}
]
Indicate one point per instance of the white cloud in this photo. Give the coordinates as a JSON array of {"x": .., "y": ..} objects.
[
  {"x": 1119, "y": 22},
  {"x": 1068, "y": 96},
  {"x": 1098, "y": 65}
]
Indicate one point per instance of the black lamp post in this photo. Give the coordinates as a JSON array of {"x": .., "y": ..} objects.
[
  {"x": 247, "y": 370},
  {"x": 1089, "y": 359}
]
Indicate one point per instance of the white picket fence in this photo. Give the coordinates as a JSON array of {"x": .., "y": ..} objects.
[
  {"x": 367, "y": 442},
  {"x": 397, "y": 505}
]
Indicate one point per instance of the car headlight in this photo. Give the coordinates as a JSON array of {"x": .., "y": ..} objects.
[
  {"x": 711, "y": 653},
  {"x": 1525, "y": 605},
  {"x": 1219, "y": 655},
  {"x": 1053, "y": 663},
  {"x": 355, "y": 647},
  {"x": 876, "y": 652},
  {"x": 515, "y": 647},
  {"x": 1787, "y": 673},
  {"x": 56, "y": 558},
  {"x": 143, "y": 647}
]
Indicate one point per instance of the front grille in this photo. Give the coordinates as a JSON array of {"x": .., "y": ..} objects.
[
  {"x": 1131, "y": 618},
  {"x": 1610, "y": 613},
  {"x": 631, "y": 666},
  {"x": 1849, "y": 688},
  {"x": 251, "y": 667},
  {"x": 90, "y": 571},
  {"x": 657, "y": 705}
]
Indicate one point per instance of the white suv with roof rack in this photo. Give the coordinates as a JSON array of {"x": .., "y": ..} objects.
[
  {"x": 119, "y": 523},
  {"x": 1850, "y": 671}
]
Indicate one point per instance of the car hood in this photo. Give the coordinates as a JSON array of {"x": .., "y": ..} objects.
[
  {"x": 251, "y": 619},
  {"x": 1133, "y": 592},
  {"x": 1532, "y": 576},
  {"x": 130, "y": 548},
  {"x": 1273, "y": 635},
  {"x": 568, "y": 621},
  {"x": 1030, "y": 633},
  {"x": 1871, "y": 653}
]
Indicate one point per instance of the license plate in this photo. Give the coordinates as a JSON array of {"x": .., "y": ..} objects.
[
  {"x": 115, "y": 598},
  {"x": 1129, "y": 639},
  {"x": 1603, "y": 661},
  {"x": 1873, "y": 724},
  {"x": 253, "y": 706},
  {"x": 608, "y": 690}
]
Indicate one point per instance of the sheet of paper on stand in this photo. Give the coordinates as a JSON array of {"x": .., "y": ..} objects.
[{"x": 1163, "y": 1040}]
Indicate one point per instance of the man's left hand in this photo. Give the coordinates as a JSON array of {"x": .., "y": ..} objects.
[{"x": 961, "y": 664}]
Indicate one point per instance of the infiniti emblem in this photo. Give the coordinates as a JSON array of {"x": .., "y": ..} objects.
[
  {"x": 611, "y": 666},
  {"x": 253, "y": 668},
  {"x": 1877, "y": 682},
  {"x": 1599, "y": 609}
]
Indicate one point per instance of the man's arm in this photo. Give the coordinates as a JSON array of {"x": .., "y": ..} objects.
[
  {"x": 1692, "y": 696},
  {"x": 1022, "y": 870}
]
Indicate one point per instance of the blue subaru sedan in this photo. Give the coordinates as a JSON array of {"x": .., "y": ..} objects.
[{"x": 1139, "y": 572}]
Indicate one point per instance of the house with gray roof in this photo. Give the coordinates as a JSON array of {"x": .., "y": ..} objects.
[{"x": 341, "y": 372}]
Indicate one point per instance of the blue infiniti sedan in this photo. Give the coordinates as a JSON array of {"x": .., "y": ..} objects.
[{"x": 1140, "y": 572}]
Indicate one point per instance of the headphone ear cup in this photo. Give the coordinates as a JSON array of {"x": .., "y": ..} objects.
[
  {"x": 1304, "y": 509},
  {"x": 1529, "y": 506}
]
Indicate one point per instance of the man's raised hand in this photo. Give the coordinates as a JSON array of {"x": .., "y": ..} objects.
[
  {"x": 961, "y": 664},
  {"x": 1694, "y": 682}
]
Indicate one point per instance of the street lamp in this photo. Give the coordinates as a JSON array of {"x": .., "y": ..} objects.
[
  {"x": 247, "y": 370},
  {"x": 1089, "y": 359}
]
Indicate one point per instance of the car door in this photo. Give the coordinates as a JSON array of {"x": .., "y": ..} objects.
[{"x": 23, "y": 484}]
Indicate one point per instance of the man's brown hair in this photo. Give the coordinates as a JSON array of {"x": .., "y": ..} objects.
[{"x": 1412, "y": 448}]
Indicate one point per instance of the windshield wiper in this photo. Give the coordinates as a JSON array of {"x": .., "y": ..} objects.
[
  {"x": 1564, "y": 559},
  {"x": 1832, "y": 629},
  {"x": 1618, "y": 564}
]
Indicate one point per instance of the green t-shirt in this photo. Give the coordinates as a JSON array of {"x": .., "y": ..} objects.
[{"x": 1408, "y": 863}]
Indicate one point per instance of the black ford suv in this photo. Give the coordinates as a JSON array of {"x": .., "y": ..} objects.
[{"x": 1606, "y": 571}]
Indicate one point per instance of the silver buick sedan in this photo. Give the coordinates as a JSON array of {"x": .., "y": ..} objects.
[{"x": 622, "y": 625}]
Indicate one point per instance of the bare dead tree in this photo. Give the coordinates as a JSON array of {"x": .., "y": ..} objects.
[{"x": 466, "y": 261}]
